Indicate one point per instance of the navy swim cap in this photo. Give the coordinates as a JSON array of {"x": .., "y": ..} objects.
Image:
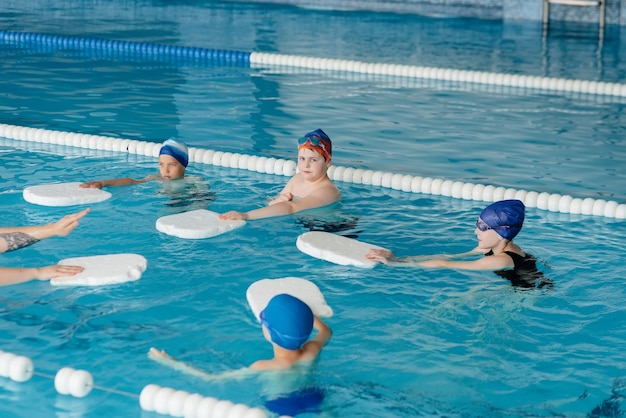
[
  {"x": 288, "y": 320},
  {"x": 176, "y": 149},
  {"x": 506, "y": 217}
]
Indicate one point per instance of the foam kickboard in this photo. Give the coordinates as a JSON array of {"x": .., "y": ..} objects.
[
  {"x": 103, "y": 270},
  {"x": 260, "y": 292},
  {"x": 196, "y": 224},
  {"x": 336, "y": 248},
  {"x": 64, "y": 194}
]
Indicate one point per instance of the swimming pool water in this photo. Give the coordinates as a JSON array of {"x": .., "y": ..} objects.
[
  {"x": 379, "y": 124},
  {"x": 407, "y": 342}
]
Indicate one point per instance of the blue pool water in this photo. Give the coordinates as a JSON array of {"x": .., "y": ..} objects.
[{"x": 407, "y": 342}]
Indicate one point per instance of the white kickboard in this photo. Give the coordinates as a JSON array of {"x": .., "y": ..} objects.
[
  {"x": 196, "y": 224},
  {"x": 64, "y": 194},
  {"x": 260, "y": 292},
  {"x": 336, "y": 248},
  {"x": 103, "y": 269}
]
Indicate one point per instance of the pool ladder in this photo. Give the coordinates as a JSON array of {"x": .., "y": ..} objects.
[{"x": 601, "y": 4}]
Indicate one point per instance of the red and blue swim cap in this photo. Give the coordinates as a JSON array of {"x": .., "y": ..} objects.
[
  {"x": 506, "y": 217},
  {"x": 317, "y": 141},
  {"x": 176, "y": 149},
  {"x": 288, "y": 320}
]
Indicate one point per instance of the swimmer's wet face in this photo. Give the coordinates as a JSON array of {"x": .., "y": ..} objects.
[
  {"x": 487, "y": 237},
  {"x": 170, "y": 168},
  {"x": 173, "y": 159},
  {"x": 311, "y": 164}
]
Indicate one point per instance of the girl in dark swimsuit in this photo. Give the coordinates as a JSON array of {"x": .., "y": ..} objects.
[{"x": 496, "y": 227}]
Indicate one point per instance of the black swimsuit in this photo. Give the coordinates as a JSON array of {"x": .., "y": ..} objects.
[{"x": 524, "y": 272}]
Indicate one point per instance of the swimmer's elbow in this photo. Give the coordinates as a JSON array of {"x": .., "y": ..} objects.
[
  {"x": 292, "y": 207},
  {"x": 328, "y": 336}
]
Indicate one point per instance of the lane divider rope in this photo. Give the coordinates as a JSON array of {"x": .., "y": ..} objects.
[
  {"x": 163, "y": 400},
  {"x": 553, "y": 202},
  {"x": 260, "y": 59}
]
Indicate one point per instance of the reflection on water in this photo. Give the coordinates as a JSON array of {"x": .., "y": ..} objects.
[
  {"x": 330, "y": 218},
  {"x": 186, "y": 194}
]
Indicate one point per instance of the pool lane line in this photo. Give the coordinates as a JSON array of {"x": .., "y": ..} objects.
[
  {"x": 261, "y": 60},
  {"x": 553, "y": 202}
]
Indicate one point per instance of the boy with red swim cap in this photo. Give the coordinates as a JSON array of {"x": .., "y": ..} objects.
[{"x": 309, "y": 188}]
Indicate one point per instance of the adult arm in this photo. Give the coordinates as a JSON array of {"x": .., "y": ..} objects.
[
  {"x": 10, "y": 275},
  {"x": 13, "y": 238}
]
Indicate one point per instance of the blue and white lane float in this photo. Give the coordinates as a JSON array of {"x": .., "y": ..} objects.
[
  {"x": 553, "y": 202},
  {"x": 261, "y": 59}
]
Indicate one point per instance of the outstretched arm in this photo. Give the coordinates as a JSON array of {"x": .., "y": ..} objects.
[
  {"x": 279, "y": 207},
  {"x": 493, "y": 263},
  {"x": 22, "y": 236},
  {"x": 99, "y": 184},
  {"x": 387, "y": 257},
  {"x": 19, "y": 275},
  {"x": 160, "y": 356}
]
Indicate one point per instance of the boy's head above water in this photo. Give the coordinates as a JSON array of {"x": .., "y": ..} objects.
[
  {"x": 317, "y": 141},
  {"x": 173, "y": 159},
  {"x": 288, "y": 321}
]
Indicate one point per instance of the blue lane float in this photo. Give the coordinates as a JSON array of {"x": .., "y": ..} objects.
[
  {"x": 553, "y": 202},
  {"x": 138, "y": 49}
]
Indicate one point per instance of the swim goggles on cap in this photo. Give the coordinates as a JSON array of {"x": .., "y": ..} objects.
[
  {"x": 314, "y": 140},
  {"x": 482, "y": 226}
]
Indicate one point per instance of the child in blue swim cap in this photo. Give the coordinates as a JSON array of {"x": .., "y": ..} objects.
[
  {"x": 173, "y": 160},
  {"x": 495, "y": 229},
  {"x": 287, "y": 323}
]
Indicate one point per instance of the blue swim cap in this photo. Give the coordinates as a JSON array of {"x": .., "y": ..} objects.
[
  {"x": 506, "y": 217},
  {"x": 176, "y": 149},
  {"x": 288, "y": 320}
]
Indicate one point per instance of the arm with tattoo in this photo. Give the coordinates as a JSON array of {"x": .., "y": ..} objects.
[{"x": 14, "y": 240}]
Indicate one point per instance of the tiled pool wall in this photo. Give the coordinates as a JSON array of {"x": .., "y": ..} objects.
[{"x": 485, "y": 9}]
